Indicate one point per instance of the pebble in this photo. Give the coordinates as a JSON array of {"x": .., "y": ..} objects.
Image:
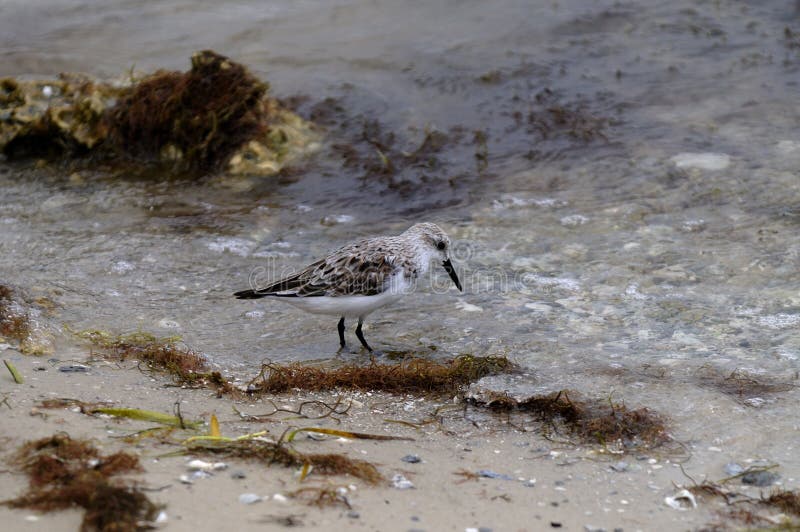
[
  {"x": 402, "y": 483},
  {"x": 200, "y": 465},
  {"x": 74, "y": 368},
  {"x": 760, "y": 478},
  {"x": 486, "y": 473},
  {"x": 530, "y": 483},
  {"x": 238, "y": 475},
  {"x": 411, "y": 459},
  {"x": 620, "y": 467},
  {"x": 250, "y": 498},
  {"x": 732, "y": 469},
  {"x": 702, "y": 161},
  {"x": 755, "y": 402}
]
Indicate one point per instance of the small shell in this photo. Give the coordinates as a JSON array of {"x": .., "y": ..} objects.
[{"x": 683, "y": 500}]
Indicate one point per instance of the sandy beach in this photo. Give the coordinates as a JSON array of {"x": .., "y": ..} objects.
[{"x": 539, "y": 483}]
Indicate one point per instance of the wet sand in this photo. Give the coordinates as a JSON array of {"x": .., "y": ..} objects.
[{"x": 544, "y": 484}]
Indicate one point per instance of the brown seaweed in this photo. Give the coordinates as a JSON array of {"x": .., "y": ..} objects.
[
  {"x": 415, "y": 375},
  {"x": 64, "y": 472},
  {"x": 197, "y": 118}
]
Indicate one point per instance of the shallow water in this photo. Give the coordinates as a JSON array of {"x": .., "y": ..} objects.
[{"x": 595, "y": 252}]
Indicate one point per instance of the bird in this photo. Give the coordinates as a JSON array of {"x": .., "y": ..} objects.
[{"x": 363, "y": 276}]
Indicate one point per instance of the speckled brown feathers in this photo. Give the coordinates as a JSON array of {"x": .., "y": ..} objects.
[{"x": 360, "y": 268}]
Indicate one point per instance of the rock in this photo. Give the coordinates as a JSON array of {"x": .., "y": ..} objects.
[
  {"x": 760, "y": 478},
  {"x": 216, "y": 115},
  {"x": 411, "y": 459}
]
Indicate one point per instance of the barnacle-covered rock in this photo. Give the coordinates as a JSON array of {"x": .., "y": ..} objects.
[
  {"x": 215, "y": 117},
  {"x": 53, "y": 117}
]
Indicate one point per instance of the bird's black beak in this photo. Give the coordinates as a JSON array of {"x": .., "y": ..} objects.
[{"x": 448, "y": 266}]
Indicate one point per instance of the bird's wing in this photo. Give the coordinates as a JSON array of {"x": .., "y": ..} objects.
[
  {"x": 348, "y": 273},
  {"x": 351, "y": 270}
]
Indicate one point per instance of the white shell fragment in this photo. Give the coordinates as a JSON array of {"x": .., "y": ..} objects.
[
  {"x": 200, "y": 465},
  {"x": 683, "y": 500}
]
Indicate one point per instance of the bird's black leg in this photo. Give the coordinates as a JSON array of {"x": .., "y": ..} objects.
[
  {"x": 341, "y": 333},
  {"x": 360, "y": 335}
]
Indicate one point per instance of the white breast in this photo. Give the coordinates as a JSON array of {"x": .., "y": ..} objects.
[
  {"x": 347, "y": 306},
  {"x": 353, "y": 306}
]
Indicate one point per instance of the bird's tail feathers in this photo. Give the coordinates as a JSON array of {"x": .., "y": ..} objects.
[{"x": 250, "y": 294}]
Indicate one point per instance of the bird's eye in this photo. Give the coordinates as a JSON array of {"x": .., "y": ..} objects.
[{"x": 441, "y": 245}]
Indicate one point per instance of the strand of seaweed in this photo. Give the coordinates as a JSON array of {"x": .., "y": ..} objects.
[
  {"x": 604, "y": 423},
  {"x": 744, "y": 508}
]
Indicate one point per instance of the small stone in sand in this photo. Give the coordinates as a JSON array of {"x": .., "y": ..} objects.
[
  {"x": 486, "y": 473},
  {"x": 760, "y": 478},
  {"x": 620, "y": 467},
  {"x": 411, "y": 459},
  {"x": 732, "y": 469},
  {"x": 250, "y": 498},
  {"x": 74, "y": 368},
  {"x": 402, "y": 483}
]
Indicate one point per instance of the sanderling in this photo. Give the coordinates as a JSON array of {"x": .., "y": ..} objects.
[{"x": 364, "y": 276}]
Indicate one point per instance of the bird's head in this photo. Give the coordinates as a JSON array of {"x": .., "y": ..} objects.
[{"x": 436, "y": 246}]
